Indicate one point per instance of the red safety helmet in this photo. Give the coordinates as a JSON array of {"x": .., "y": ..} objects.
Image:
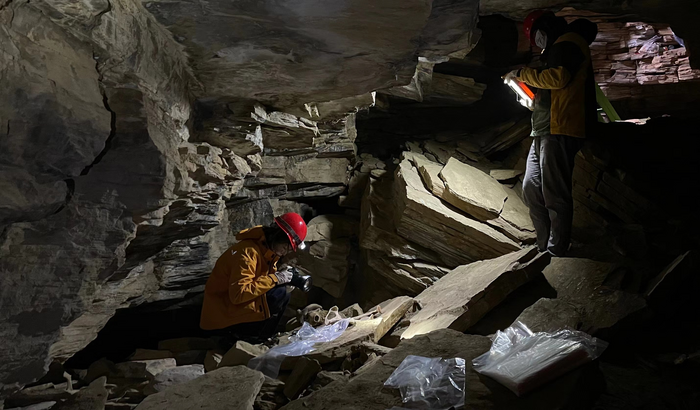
[
  {"x": 294, "y": 226},
  {"x": 530, "y": 22}
]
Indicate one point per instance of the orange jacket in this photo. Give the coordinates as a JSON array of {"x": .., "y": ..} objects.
[{"x": 235, "y": 290}]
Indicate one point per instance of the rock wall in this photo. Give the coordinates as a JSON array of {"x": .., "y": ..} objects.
[{"x": 90, "y": 135}]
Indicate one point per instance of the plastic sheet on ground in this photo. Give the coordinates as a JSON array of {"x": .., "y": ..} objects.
[
  {"x": 429, "y": 383},
  {"x": 522, "y": 361},
  {"x": 301, "y": 343}
]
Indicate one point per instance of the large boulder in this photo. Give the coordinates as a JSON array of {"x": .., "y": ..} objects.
[
  {"x": 549, "y": 315},
  {"x": 473, "y": 191},
  {"x": 241, "y": 353}
]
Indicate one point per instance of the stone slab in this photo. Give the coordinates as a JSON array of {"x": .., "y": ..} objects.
[
  {"x": 505, "y": 174},
  {"x": 241, "y": 353},
  {"x": 462, "y": 297},
  {"x": 424, "y": 219},
  {"x": 429, "y": 171},
  {"x": 472, "y": 190},
  {"x": 578, "y": 281},
  {"x": 514, "y": 220},
  {"x": 548, "y": 315},
  {"x": 229, "y": 388},
  {"x": 173, "y": 377}
]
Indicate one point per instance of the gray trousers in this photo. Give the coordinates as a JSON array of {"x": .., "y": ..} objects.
[{"x": 547, "y": 190}]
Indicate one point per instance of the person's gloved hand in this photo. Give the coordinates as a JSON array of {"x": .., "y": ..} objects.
[
  {"x": 284, "y": 275},
  {"x": 512, "y": 74}
]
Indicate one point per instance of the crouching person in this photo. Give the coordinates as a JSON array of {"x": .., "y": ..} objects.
[{"x": 245, "y": 295}]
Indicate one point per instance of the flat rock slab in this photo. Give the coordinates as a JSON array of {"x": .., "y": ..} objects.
[
  {"x": 472, "y": 190},
  {"x": 505, "y": 174},
  {"x": 423, "y": 218},
  {"x": 366, "y": 390},
  {"x": 514, "y": 220},
  {"x": 241, "y": 353},
  {"x": 229, "y": 388},
  {"x": 173, "y": 377},
  {"x": 577, "y": 277},
  {"x": 462, "y": 297},
  {"x": 577, "y": 281},
  {"x": 548, "y": 315},
  {"x": 429, "y": 171},
  {"x": 144, "y": 369}
]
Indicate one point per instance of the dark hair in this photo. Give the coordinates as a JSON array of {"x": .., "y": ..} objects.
[
  {"x": 585, "y": 28},
  {"x": 274, "y": 235}
]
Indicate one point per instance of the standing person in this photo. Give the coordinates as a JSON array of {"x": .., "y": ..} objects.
[
  {"x": 245, "y": 295},
  {"x": 564, "y": 112}
]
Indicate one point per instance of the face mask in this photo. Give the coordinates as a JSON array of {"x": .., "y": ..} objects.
[{"x": 541, "y": 39}]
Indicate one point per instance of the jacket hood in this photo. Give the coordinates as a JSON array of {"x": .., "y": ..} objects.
[{"x": 254, "y": 234}]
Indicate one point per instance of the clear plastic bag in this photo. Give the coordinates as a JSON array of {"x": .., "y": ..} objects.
[
  {"x": 300, "y": 344},
  {"x": 522, "y": 361},
  {"x": 430, "y": 383},
  {"x": 650, "y": 46}
]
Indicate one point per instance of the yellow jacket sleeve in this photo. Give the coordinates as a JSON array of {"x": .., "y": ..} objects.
[
  {"x": 554, "y": 78},
  {"x": 244, "y": 285}
]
